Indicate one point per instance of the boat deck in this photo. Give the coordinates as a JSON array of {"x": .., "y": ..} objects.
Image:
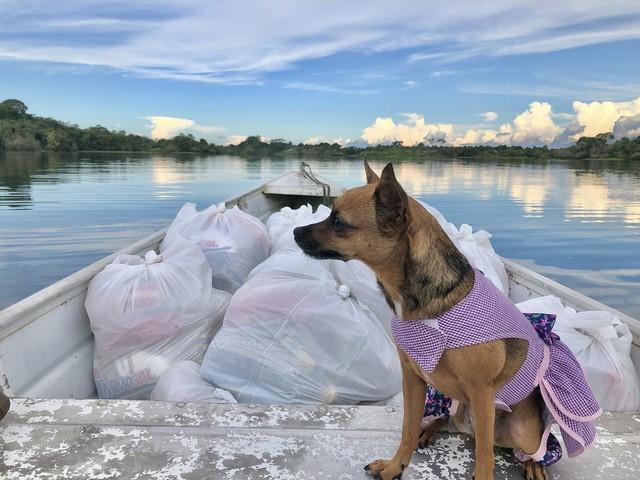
[{"x": 73, "y": 439}]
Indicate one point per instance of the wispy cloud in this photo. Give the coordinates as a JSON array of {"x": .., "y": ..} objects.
[
  {"x": 224, "y": 42},
  {"x": 442, "y": 73},
  {"x": 328, "y": 88},
  {"x": 561, "y": 88}
]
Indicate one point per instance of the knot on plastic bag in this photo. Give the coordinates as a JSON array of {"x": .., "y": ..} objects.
[
  {"x": 344, "y": 291},
  {"x": 465, "y": 232},
  {"x": 221, "y": 207},
  {"x": 152, "y": 257}
]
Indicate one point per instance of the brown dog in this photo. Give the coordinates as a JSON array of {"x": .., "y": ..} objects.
[{"x": 422, "y": 274}]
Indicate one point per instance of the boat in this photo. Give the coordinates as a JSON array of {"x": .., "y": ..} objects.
[{"x": 57, "y": 428}]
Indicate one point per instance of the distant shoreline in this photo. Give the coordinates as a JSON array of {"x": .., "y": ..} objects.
[
  {"x": 22, "y": 132},
  {"x": 356, "y": 156}
]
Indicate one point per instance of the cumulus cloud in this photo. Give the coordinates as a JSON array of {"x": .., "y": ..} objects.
[
  {"x": 627, "y": 127},
  {"x": 489, "y": 116},
  {"x": 411, "y": 132},
  {"x": 534, "y": 126},
  {"x": 157, "y": 38},
  {"x": 600, "y": 117},
  {"x": 168, "y": 127}
]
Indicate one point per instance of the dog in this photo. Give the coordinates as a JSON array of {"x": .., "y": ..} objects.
[{"x": 424, "y": 276}]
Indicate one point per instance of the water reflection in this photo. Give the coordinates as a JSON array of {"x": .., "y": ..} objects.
[{"x": 577, "y": 221}]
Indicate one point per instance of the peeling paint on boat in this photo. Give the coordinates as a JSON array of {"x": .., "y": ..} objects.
[{"x": 112, "y": 439}]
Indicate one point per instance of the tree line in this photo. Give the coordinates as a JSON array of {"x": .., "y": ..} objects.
[{"x": 21, "y": 131}]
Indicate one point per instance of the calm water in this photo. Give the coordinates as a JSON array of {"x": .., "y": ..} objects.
[{"x": 578, "y": 222}]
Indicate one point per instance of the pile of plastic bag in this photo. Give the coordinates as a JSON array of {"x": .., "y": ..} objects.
[
  {"x": 297, "y": 329},
  {"x": 148, "y": 313},
  {"x": 233, "y": 241},
  {"x": 602, "y": 345}
]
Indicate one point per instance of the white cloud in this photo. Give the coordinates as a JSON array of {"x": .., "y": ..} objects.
[
  {"x": 489, "y": 116},
  {"x": 168, "y": 127},
  {"x": 235, "y": 139},
  {"x": 410, "y": 83},
  {"x": 600, "y": 117},
  {"x": 411, "y": 132},
  {"x": 442, "y": 73},
  {"x": 318, "y": 139},
  {"x": 534, "y": 126},
  {"x": 627, "y": 127},
  {"x": 225, "y": 42},
  {"x": 327, "y": 88},
  {"x": 475, "y": 137}
]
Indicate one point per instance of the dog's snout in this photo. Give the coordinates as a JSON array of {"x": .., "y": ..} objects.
[{"x": 297, "y": 233}]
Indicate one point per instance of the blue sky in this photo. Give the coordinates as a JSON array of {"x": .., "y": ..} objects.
[{"x": 358, "y": 71}]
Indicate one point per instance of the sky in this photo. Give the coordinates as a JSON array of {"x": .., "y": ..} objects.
[{"x": 357, "y": 72}]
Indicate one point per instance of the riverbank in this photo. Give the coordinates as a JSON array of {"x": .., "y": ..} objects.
[{"x": 20, "y": 131}]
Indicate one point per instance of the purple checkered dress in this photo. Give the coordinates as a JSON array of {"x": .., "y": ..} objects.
[{"x": 486, "y": 314}]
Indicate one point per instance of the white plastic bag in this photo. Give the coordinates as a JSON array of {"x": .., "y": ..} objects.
[
  {"x": 147, "y": 314},
  {"x": 602, "y": 345},
  {"x": 360, "y": 278},
  {"x": 233, "y": 241},
  {"x": 476, "y": 247},
  {"x": 281, "y": 224},
  {"x": 481, "y": 255},
  {"x": 293, "y": 334},
  {"x": 182, "y": 383}
]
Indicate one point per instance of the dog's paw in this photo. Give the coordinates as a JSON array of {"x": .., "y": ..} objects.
[
  {"x": 534, "y": 471},
  {"x": 385, "y": 470},
  {"x": 425, "y": 438},
  {"x": 430, "y": 431}
]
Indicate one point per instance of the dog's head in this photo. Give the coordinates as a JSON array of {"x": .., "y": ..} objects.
[{"x": 365, "y": 223}]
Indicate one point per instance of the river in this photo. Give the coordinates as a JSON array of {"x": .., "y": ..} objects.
[{"x": 577, "y": 222}]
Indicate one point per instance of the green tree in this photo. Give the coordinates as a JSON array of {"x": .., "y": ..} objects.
[{"x": 12, "y": 108}]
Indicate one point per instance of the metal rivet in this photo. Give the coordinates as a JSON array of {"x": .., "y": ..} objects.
[{"x": 181, "y": 404}]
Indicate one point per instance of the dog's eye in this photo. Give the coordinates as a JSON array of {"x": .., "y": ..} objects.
[{"x": 337, "y": 224}]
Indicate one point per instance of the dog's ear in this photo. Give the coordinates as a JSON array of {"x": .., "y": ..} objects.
[
  {"x": 372, "y": 177},
  {"x": 391, "y": 202}
]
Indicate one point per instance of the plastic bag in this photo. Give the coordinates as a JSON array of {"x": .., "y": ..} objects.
[
  {"x": 182, "y": 383},
  {"x": 476, "y": 247},
  {"x": 602, "y": 345},
  {"x": 360, "y": 278},
  {"x": 281, "y": 224},
  {"x": 293, "y": 334},
  {"x": 232, "y": 241},
  {"x": 147, "y": 314}
]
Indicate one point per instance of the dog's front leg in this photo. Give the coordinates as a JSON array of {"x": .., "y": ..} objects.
[
  {"x": 414, "y": 391},
  {"x": 484, "y": 412}
]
